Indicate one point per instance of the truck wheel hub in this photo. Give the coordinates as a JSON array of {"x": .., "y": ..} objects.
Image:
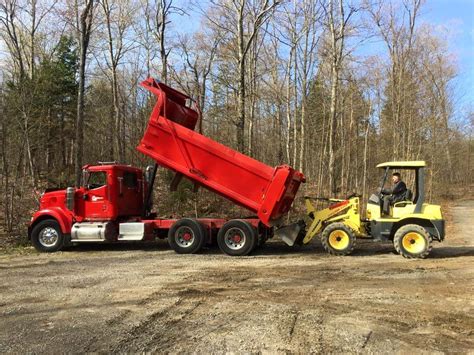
[
  {"x": 235, "y": 238},
  {"x": 48, "y": 236},
  {"x": 184, "y": 237}
]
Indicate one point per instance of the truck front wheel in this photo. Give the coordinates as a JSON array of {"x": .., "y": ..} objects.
[
  {"x": 237, "y": 238},
  {"x": 47, "y": 236},
  {"x": 187, "y": 236}
]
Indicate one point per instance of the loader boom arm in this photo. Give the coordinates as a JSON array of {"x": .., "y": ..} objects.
[{"x": 346, "y": 211}]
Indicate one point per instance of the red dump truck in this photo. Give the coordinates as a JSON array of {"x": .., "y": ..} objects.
[{"x": 113, "y": 203}]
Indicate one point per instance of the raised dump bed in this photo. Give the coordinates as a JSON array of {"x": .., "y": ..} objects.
[{"x": 171, "y": 141}]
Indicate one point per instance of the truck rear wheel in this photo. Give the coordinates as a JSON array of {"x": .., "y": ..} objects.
[
  {"x": 237, "y": 238},
  {"x": 338, "y": 239},
  {"x": 187, "y": 236},
  {"x": 47, "y": 236},
  {"x": 412, "y": 241}
]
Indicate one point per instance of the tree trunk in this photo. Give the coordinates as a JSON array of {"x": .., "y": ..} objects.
[
  {"x": 241, "y": 81},
  {"x": 332, "y": 127},
  {"x": 85, "y": 29},
  {"x": 288, "y": 106}
]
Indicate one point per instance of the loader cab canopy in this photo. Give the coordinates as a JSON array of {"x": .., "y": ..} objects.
[
  {"x": 403, "y": 164},
  {"x": 419, "y": 167}
]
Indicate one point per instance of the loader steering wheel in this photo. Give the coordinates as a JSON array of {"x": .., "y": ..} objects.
[{"x": 353, "y": 195}]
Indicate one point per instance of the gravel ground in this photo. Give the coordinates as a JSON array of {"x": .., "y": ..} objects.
[{"x": 131, "y": 298}]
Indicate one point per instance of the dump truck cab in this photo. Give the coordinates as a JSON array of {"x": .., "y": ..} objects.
[{"x": 109, "y": 193}]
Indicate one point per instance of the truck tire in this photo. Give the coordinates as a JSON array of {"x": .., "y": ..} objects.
[
  {"x": 47, "y": 236},
  {"x": 187, "y": 236},
  {"x": 338, "y": 239},
  {"x": 237, "y": 238},
  {"x": 412, "y": 241}
]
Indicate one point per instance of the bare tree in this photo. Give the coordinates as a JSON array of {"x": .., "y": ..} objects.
[
  {"x": 11, "y": 36},
  {"x": 118, "y": 18},
  {"x": 264, "y": 11},
  {"x": 84, "y": 36},
  {"x": 307, "y": 50},
  {"x": 289, "y": 33},
  {"x": 337, "y": 16},
  {"x": 199, "y": 54},
  {"x": 158, "y": 19},
  {"x": 398, "y": 32}
]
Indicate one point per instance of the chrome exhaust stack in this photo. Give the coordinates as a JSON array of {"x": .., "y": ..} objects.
[{"x": 70, "y": 192}]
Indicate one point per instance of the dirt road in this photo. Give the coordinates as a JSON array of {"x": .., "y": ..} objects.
[{"x": 137, "y": 298}]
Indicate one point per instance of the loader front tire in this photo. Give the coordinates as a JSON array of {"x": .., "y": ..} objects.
[
  {"x": 338, "y": 239},
  {"x": 412, "y": 241}
]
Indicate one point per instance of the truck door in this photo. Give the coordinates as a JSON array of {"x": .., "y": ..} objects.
[
  {"x": 130, "y": 195},
  {"x": 96, "y": 201}
]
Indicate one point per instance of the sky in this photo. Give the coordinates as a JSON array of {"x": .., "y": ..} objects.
[
  {"x": 454, "y": 17},
  {"x": 458, "y": 17}
]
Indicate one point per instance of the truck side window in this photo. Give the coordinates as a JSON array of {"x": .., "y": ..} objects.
[
  {"x": 130, "y": 180},
  {"x": 96, "y": 179}
]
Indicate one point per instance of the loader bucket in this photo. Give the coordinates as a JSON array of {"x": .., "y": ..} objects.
[{"x": 291, "y": 234}]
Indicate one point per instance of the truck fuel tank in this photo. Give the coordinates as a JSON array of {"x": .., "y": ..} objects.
[{"x": 93, "y": 232}]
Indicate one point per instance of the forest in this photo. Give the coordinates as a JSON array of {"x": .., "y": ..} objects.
[{"x": 330, "y": 87}]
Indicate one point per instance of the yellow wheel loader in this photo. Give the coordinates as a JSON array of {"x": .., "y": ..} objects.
[{"x": 411, "y": 225}]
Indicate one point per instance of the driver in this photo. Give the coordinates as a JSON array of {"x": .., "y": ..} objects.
[{"x": 395, "y": 194}]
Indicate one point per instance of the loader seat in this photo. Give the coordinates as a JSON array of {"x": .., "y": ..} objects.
[{"x": 407, "y": 199}]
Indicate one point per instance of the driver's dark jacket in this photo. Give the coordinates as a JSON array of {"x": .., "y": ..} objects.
[{"x": 397, "y": 191}]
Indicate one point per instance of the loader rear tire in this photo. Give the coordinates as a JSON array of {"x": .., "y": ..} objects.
[
  {"x": 187, "y": 236},
  {"x": 412, "y": 241},
  {"x": 338, "y": 239},
  {"x": 237, "y": 238}
]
